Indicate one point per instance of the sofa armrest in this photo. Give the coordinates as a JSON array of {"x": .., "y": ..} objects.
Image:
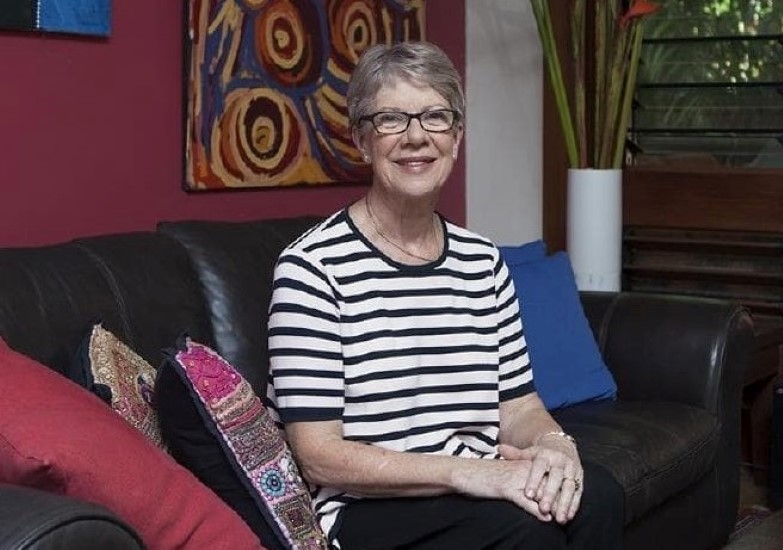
[
  {"x": 692, "y": 351},
  {"x": 32, "y": 519},
  {"x": 672, "y": 348}
]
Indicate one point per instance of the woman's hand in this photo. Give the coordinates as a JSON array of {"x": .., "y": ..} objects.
[
  {"x": 555, "y": 476},
  {"x": 499, "y": 479},
  {"x": 555, "y": 479}
]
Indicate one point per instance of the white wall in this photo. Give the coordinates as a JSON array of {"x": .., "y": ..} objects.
[{"x": 504, "y": 121}]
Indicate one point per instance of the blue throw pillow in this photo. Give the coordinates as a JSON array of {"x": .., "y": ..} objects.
[
  {"x": 527, "y": 252},
  {"x": 567, "y": 365}
]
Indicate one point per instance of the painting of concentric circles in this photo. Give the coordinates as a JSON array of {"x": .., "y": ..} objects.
[{"x": 265, "y": 88}]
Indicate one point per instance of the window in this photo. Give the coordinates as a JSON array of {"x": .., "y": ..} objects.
[{"x": 710, "y": 87}]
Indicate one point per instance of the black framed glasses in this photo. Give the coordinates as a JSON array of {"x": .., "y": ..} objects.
[{"x": 396, "y": 122}]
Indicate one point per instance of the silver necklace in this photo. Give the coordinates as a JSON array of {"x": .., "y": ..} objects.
[{"x": 399, "y": 247}]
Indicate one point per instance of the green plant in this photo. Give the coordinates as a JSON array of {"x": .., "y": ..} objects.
[{"x": 616, "y": 45}]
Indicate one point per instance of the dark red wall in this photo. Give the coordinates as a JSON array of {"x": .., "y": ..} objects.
[{"x": 91, "y": 132}]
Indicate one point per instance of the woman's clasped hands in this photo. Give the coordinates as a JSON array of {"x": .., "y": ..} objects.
[{"x": 554, "y": 476}]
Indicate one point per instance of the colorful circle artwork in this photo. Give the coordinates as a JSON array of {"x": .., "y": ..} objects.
[{"x": 266, "y": 83}]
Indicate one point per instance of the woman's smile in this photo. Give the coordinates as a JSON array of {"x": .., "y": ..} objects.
[{"x": 417, "y": 163}]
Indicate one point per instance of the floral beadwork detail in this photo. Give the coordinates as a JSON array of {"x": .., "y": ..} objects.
[
  {"x": 273, "y": 483},
  {"x": 256, "y": 447}
]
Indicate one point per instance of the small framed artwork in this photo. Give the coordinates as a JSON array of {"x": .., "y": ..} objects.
[
  {"x": 265, "y": 84},
  {"x": 85, "y": 17}
]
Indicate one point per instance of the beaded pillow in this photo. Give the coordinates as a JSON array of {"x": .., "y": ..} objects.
[
  {"x": 239, "y": 451},
  {"x": 114, "y": 372}
]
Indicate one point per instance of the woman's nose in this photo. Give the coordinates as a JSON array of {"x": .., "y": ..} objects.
[{"x": 415, "y": 131}]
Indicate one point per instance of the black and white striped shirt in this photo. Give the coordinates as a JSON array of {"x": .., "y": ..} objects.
[{"x": 409, "y": 358}]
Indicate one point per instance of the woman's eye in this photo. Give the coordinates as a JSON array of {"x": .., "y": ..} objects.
[
  {"x": 389, "y": 118},
  {"x": 437, "y": 116}
]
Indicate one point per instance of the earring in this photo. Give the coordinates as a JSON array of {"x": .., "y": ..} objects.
[{"x": 366, "y": 158}]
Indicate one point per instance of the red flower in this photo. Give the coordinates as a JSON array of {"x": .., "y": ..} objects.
[{"x": 638, "y": 8}]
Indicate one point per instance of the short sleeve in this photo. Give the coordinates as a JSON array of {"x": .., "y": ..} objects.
[
  {"x": 516, "y": 374},
  {"x": 306, "y": 368}
]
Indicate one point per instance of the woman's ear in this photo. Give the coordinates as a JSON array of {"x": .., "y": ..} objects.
[
  {"x": 358, "y": 141},
  {"x": 457, "y": 140}
]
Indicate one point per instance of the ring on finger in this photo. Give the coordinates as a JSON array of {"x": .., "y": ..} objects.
[{"x": 577, "y": 483}]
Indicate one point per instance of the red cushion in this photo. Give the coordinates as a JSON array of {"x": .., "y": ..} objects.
[{"x": 56, "y": 436}]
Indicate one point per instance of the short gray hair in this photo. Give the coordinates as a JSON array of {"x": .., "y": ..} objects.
[{"x": 422, "y": 62}]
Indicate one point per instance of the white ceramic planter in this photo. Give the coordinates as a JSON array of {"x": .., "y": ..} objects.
[{"x": 594, "y": 227}]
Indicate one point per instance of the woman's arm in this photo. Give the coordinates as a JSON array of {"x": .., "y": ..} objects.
[
  {"x": 326, "y": 459},
  {"x": 528, "y": 431},
  {"x": 525, "y": 419}
]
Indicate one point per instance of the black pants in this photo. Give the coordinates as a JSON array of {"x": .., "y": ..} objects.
[{"x": 463, "y": 523}]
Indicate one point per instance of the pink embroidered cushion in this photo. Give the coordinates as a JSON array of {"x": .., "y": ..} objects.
[
  {"x": 58, "y": 437},
  {"x": 216, "y": 426}
]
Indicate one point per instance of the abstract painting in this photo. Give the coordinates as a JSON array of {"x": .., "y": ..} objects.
[
  {"x": 87, "y": 17},
  {"x": 265, "y": 88}
]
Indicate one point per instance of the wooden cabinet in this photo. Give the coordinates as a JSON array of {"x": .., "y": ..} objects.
[{"x": 713, "y": 236}]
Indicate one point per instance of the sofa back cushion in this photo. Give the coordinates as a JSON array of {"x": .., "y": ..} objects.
[
  {"x": 58, "y": 437},
  {"x": 141, "y": 285},
  {"x": 235, "y": 263}
]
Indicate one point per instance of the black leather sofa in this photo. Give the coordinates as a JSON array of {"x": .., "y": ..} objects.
[{"x": 671, "y": 438}]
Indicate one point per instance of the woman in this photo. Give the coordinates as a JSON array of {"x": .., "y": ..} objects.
[{"x": 398, "y": 362}]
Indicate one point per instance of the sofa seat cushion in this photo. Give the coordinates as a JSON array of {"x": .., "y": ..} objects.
[{"x": 653, "y": 449}]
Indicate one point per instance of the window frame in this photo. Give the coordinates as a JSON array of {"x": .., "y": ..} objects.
[{"x": 716, "y": 197}]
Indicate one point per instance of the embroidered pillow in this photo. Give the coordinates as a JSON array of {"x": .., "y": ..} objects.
[
  {"x": 234, "y": 447},
  {"x": 110, "y": 369}
]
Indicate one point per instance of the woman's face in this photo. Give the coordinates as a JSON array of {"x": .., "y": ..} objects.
[{"x": 415, "y": 163}]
